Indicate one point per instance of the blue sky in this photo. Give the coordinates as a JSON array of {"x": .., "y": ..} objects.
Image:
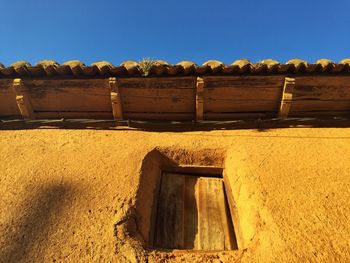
[{"x": 173, "y": 30}]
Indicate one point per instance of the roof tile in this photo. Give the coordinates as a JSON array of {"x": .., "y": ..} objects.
[
  {"x": 242, "y": 63},
  {"x": 74, "y": 63},
  {"x": 297, "y": 62},
  {"x": 189, "y": 67},
  {"x": 20, "y": 64},
  {"x": 103, "y": 67},
  {"x": 269, "y": 62},
  {"x": 77, "y": 68},
  {"x": 47, "y": 63},
  {"x": 345, "y": 61}
]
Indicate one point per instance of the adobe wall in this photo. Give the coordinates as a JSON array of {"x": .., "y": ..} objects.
[{"x": 74, "y": 195}]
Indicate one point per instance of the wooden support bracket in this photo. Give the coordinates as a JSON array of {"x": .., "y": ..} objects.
[
  {"x": 116, "y": 99},
  {"x": 22, "y": 99},
  {"x": 199, "y": 99},
  {"x": 287, "y": 96}
]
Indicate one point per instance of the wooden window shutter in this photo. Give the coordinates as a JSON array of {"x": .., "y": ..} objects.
[{"x": 193, "y": 213}]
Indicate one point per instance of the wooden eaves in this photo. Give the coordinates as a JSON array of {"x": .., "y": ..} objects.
[{"x": 182, "y": 92}]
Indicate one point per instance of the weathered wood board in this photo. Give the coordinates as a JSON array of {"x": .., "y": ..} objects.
[
  {"x": 238, "y": 115},
  {"x": 321, "y": 96},
  {"x": 322, "y": 88},
  {"x": 254, "y": 82},
  {"x": 159, "y": 116},
  {"x": 104, "y": 115},
  {"x": 242, "y": 94},
  {"x": 319, "y": 105},
  {"x": 319, "y": 114},
  {"x": 176, "y": 98},
  {"x": 227, "y": 105},
  {"x": 91, "y": 95},
  {"x": 170, "y": 216},
  {"x": 193, "y": 213},
  {"x": 156, "y": 95}
]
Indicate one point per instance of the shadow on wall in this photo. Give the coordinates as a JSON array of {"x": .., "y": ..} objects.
[
  {"x": 260, "y": 125},
  {"x": 28, "y": 231}
]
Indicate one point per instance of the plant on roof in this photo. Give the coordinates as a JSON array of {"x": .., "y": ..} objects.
[{"x": 145, "y": 65}]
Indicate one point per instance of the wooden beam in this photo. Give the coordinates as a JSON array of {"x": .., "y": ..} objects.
[
  {"x": 199, "y": 99},
  {"x": 116, "y": 99},
  {"x": 286, "y": 98},
  {"x": 22, "y": 99},
  {"x": 234, "y": 213}
]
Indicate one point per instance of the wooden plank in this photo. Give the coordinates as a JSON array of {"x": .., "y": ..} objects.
[
  {"x": 238, "y": 116},
  {"x": 322, "y": 88},
  {"x": 5, "y": 85},
  {"x": 233, "y": 210},
  {"x": 211, "y": 233},
  {"x": 149, "y": 116},
  {"x": 8, "y": 104},
  {"x": 117, "y": 108},
  {"x": 69, "y": 95},
  {"x": 319, "y": 114},
  {"x": 317, "y": 105},
  {"x": 160, "y": 93},
  {"x": 73, "y": 102},
  {"x": 173, "y": 98},
  {"x": 244, "y": 81},
  {"x": 242, "y": 93},
  {"x": 193, "y": 214},
  {"x": 156, "y": 104},
  {"x": 178, "y": 117},
  {"x": 227, "y": 105},
  {"x": 323, "y": 81},
  {"x": 191, "y": 240},
  {"x": 170, "y": 221},
  {"x": 158, "y": 83},
  {"x": 216, "y": 235},
  {"x": 199, "y": 99},
  {"x": 226, "y": 219},
  {"x": 194, "y": 169},
  {"x": 104, "y": 115},
  {"x": 339, "y": 93},
  {"x": 23, "y": 100},
  {"x": 40, "y": 86},
  {"x": 203, "y": 222},
  {"x": 286, "y": 98}
]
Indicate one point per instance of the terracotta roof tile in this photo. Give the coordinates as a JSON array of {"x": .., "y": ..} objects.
[
  {"x": 103, "y": 67},
  {"x": 76, "y": 68},
  {"x": 242, "y": 65},
  {"x": 214, "y": 65},
  {"x": 20, "y": 64},
  {"x": 187, "y": 67},
  {"x": 267, "y": 66},
  {"x": 345, "y": 61},
  {"x": 47, "y": 63},
  {"x": 131, "y": 67}
]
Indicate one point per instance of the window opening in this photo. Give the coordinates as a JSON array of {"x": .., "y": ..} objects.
[{"x": 193, "y": 213}]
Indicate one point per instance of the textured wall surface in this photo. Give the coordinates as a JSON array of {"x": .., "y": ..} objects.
[{"x": 64, "y": 193}]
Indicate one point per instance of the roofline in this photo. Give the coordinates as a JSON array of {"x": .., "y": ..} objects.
[{"x": 155, "y": 68}]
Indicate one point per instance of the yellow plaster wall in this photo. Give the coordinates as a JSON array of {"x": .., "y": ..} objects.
[{"x": 63, "y": 191}]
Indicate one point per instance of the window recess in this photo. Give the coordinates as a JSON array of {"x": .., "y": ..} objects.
[{"x": 193, "y": 213}]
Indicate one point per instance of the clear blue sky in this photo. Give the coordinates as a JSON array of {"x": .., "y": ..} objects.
[{"x": 173, "y": 30}]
